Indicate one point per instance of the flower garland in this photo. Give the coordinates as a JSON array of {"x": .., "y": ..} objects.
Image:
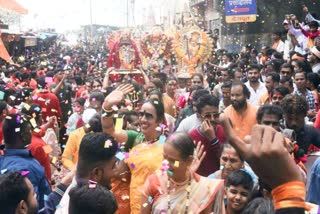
[
  {"x": 148, "y": 50},
  {"x": 194, "y": 60}
]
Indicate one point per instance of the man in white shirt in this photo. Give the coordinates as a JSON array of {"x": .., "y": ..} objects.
[
  {"x": 314, "y": 59},
  {"x": 189, "y": 123},
  {"x": 256, "y": 88}
]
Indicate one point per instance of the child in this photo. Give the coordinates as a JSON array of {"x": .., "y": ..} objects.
[
  {"x": 91, "y": 198},
  {"x": 312, "y": 33},
  {"x": 76, "y": 115},
  {"x": 239, "y": 187}
]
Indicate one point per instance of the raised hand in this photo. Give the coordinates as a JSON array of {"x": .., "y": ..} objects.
[
  {"x": 199, "y": 155},
  {"x": 116, "y": 96},
  {"x": 266, "y": 154}
]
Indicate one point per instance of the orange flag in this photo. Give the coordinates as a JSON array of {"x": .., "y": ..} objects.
[{"x": 4, "y": 53}]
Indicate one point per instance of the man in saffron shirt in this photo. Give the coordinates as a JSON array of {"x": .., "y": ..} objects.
[
  {"x": 241, "y": 113},
  {"x": 209, "y": 133}
]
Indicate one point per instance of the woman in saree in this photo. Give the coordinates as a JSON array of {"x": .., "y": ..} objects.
[
  {"x": 231, "y": 161},
  {"x": 145, "y": 150},
  {"x": 177, "y": 188}
]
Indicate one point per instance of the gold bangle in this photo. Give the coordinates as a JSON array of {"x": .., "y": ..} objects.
[{"x": 107, "y": 111}]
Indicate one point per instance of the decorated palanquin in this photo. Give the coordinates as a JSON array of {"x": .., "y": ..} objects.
[
  {"x": 123, "y": 55},
  {"x": 192, "y": 47},
  {"x": 155, "y": 50}
]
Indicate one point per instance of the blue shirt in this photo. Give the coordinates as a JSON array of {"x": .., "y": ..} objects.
[
  {"x": 309, "y": 97},
  {"x": 22, "y": 160},
  {"x": 313, "y": 194}
]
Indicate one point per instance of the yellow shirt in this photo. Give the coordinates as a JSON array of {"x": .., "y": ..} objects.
[
  {"x": 70, "y": 154},
  {"x": 242, "y": 124},
  {"x": 144, "y": 159}
]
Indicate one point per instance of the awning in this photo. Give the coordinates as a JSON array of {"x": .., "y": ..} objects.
[{"x": 12, "y": 5}]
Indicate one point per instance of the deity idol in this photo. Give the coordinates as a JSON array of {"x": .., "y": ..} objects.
[{"x": 156, "y": 50}]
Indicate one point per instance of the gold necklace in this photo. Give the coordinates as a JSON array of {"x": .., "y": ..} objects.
[{"x": 188, "y": 189}]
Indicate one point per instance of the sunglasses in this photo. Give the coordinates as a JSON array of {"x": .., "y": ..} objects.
[
  {"x": 208, "y": 116},
  {"x": 146, "y": 114}
]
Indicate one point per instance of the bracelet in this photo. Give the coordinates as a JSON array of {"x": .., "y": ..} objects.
[
  {"x": 107, "y": 114},
  {"x": 105, "y": 110},
  {"x": 214, "y": 141},
  {"x": 291, "y": 194}
]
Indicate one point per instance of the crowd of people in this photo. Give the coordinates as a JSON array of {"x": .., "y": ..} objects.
[{"x": 234, "y": 138}]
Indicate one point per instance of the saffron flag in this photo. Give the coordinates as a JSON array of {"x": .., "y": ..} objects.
[{"x": 4, "y": 53}]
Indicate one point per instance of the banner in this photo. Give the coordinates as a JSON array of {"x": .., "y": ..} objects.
[
  {"x": 238, "y": 11},
  {"x": 30, "y": 42}
]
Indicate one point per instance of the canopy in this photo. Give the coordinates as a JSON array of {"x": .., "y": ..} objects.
[{"x": 12, "y": 5}]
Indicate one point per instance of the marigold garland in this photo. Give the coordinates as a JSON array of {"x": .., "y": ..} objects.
[
  {"x": 148, "y": 50},
  {"x": 195, "y": 59}
]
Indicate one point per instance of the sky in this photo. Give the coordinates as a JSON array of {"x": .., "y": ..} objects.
[{"x": 71, "y": 14}]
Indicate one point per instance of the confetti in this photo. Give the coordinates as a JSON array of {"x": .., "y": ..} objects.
[
  {"x": 17, "y": 129},
  {"x": 150, "y": 199},
  {"x": 132, "y": 166},
  {"x": 47, "y": 149},
  {"x": 176, "y": 164},
  {"x": 87, "y": 126},
  {"x": 145, "y": 205},
  {"x": 33, "y": 123},
  {"x": 158, "y": 129},
  {"x": 92, "y": 186},
  {"x": 18, "y": 118},
  {"x": 8, "y": 118},
  {"x": 162, "y": 139},
  {"x": 45, "y": 197},
  {"x": 24, "y": 173},
  {"x": 37, "y": 108},
  {"x": 125, "y": 197},
  {"x": 48, "y": 80},
  {"x": 107, "y": 144},
  {"x": 120, "y": 156},
  {"x": 54, "y": 160},
  {"x": 4, "y": 171},
  {"x": 170, "y": 173},
  {"x": 129, "y": 108},
  {"x": 12, "y": 97},
  {"x": 1, "y": 95},
  {"x": 119, "y": 123},
  {"x": 37, "y": 130}
]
